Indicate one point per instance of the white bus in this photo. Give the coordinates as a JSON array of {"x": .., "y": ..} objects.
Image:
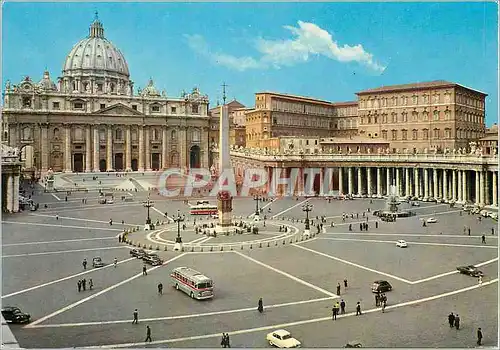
[
  {"x": 203, "y": 208},
  {"x": 192, "y": 282}
]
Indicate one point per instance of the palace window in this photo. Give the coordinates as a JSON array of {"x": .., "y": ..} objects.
[
  {"x": 436, "y": 133},
  {"x": 78, "y": 105},
  {"x": 447, "y": 133},
  {"x": 414, "y": 134},
  {"x": 56, "y": 134},
  {"x": 394, "y": 118},
  {"x": 414, "y": 116},
  {"x": 134, "y": 107},
  {"x": 405, "y": 117},
  {"x": 436, "y": 115},
  {"x": 27, "y": 102},
  {"x": 394, "y": 134},
  {"x": 404, "y": 134},
  {"x": 155, "y": 134},
  {"x": 173, "y": 110},
  {"x": 102, "y": 106},
  {"x": 195, "y": 108},
  {"x": 414, "y": 99},
  {"x": 425, "y": 134},
  {"x": 425, "y": 116},
  {"x": 447, "y": 115},
  {"x": 426, "y": 98},
  {"x": 436, "y": 98},
  {"x": 55, "y": 105},
  {"x": 384, "y": 134},
  {"x": 155, "y": 108}
]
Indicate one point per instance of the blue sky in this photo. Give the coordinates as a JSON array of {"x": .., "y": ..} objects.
[{"x": 324, "y": 50}]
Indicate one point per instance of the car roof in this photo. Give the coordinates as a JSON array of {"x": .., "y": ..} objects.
[
  {"x": 281, "y": 332},
  {"x": 380, "y": 281}
]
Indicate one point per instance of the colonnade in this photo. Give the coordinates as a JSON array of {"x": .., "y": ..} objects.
[{"x": 11, "y": 194}]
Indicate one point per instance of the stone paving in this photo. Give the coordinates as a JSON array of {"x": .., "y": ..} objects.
[{"x": 42, "y": 258}]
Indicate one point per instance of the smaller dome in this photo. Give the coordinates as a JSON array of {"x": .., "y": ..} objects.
[
  {"x": 46, "y": 83},
  {"x": 150, "y": 90}
]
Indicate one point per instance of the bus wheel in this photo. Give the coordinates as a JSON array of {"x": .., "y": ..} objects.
[
  {"x": 192, "y": 295},
  {"x": 176, "y": 286}
]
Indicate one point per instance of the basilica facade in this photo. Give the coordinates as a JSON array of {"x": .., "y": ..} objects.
[{"x": 93, "y": 120}]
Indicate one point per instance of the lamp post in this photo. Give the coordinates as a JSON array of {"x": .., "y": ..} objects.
[
  {"x": 307, "y": 208},
  {"x": 257, "y": 199},
  {"x": 148, "y": 204},
  {"x": 178, "y": 219}
]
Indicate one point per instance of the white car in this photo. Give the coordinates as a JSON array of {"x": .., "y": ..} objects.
[
  {"x": 109, "y": 201},
  {"x": 402, "y": 244},
  {"x": 282, "y": 339},
  {"x": 431, "y": 220}
]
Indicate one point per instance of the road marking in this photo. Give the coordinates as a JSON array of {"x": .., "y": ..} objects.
[
  {"x": 63, "y": 251},
  {"x": 166, "y": 318},
  {"x": 403, "y": 235},
  {"x": 296, "y": 205},
  {"x": 353, "y": 264},
  {"x": 197, "y": 240},
  {"x": 264, "y": 207},
  {"x": 71, "y": 306},
  {"x": 64, "y": 279},
  {"x": 417, "y": 243},
  {"x": 62, "y": 241},
  {"x": 80, "y": 219},
  {"x": 56, "y": 197},
  {"x": 292, "y": 324},
  {"x": 61, "y": 226},
  {"x": 61, "y": 210},
  {"x": 296, "y": 279},
  {"x": 162, "y": 214}
]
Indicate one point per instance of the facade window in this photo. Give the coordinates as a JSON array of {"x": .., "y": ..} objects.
[
  {"x": 384, "y": 134},
  {"x": 414, "y": 99},
  {"x": 195, "y": 108},
  {"x": 426, "y": 98},
  {"x": 78, "y": 134},
  {"x": 134, "y": 107},
  {"x": 78, "y": 105},
  {"x": 394, "y": 134},
  {"x": 119, "y": 134},
  {"x": 173, "y": 110},
  {"x": 436, "y": 133},
  {"x": 375, "y": 119},
  {"x": 394, "y": 118},
  {"x": 394, "y": 101},
  {"x": 414, "y": 116},
  {"x": 102, "y": 106},
  {"x": 405, "y": 117},
  {"x": 425, "y": 134},
  {"x": 102, "y": 135},
  {"x": 195, "y": 135},
  {"x": 447, "y": 133},
  {"x": 56, "y": 134},
  {"x": 155, "y": 108},
  {"x": 55, "y": 105},
  {"x": 27, "y": 134},
  {"x": 425, "y": 116},
  {"x": 436, "y": 115},
  {"x": 404, "y": 134},
  {"x": 27, "y": 102},
  {"x": 436, "y": 98},
  {"x": 414, "y": 134},
  {"x": 447, "y": 114},
  {"x": 99, "y": 87},
  {"x": 155, "y": 134},
  {"x": 134, "y": 135},
  {"x": 173, "y": 135}
]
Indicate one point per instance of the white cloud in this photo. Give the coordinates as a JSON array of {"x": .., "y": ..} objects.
[{"x": 308, "y": 40}]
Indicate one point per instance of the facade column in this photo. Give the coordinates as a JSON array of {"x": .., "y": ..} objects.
[
  {"x": 387, "y": 181},
  {"x": 128, "y": 148},
  {"x": 398, "y": 182},
  {"x": 96, "y": 148},
  {"x": 379, "y": 182},
  {"x": 407, "y": 182},
  {"x": 351, "y": 180},
  {"x": 67, "y": 149},
  {"x": 478, "y": 196},
  {"x": 434, "y": 183},
  {"x": 140, "y": 167},
  {"x": 10, "y": 193},
  {"x": 88, "y": 150},
  {"x": 360, "y": 182},
  {"x": 369, "y": 180},
  {"x": 495, "y": 189},
  {"x": 164, "y": 154},
  {"x": 183, "y": 148},
  {"x": 426, "y": 183},
  {"x": 205, "y": 148},
  {"x": 45, "y": 148},
  {"x": 341, "y": 181},
  {"x": 15, "y": 194},
  {"x": 416, "y": 179},
  {"x": 465, "y": 193},
  {"x": 147, "y": 148},
  {"x": 109, "y": 149}
]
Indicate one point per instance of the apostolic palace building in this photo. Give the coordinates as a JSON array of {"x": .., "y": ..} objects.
[{"x": 428, "y": 137}]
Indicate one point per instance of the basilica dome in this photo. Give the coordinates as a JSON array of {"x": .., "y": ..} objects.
[{"x": 96, "y": 56}]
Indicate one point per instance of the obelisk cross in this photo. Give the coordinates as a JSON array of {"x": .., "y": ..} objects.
[{"x": 224, "y": 86}]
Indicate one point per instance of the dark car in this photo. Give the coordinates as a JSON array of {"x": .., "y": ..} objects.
[
  {"x": 152, "y": 259},
  {"x": 381, "y": 286},
  {"x": 470, "y": 270},
  {"x": 15, "y": 315},
  {"x": 138, "y": 253}
]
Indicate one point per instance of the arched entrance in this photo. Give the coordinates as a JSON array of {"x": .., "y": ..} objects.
[
  {"x": 194, "y": 157},
  {"x": 134, "y": 164},
  {"x": 28, "y": 156},
  {"x": 78, "y": 162},
  {"x": 56, "y": 161},
  {"x": 118, "y": 161},
  {"x": 102, "y": 165}
]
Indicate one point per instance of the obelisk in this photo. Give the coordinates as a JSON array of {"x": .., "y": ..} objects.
[{"x": 224, "y": 198}]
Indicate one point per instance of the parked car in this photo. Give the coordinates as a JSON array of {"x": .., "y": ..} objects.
[
  {"x": 13, "y": 314},
  {"x": 470, "y": 270},
  {"x": 402, "y": 244},
  {"x": 381, "y": 286},
  {"x": 415, "y": 204},
  {"x": 282, "y": 339},
  {"x": 431, "y": 220},
  {"x": 109, "y": 201},
  {"x": 353, "y": 344},
  {"x": 152, "y": 259},
  {"x": 97, "y": 262},
  {"x": 138, "y": 253}
]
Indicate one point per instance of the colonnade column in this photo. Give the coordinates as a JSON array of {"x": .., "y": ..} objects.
[
  {"x": 140, "y": 167},
  {"x": 96, "y": 148},
  {"x": 398, "y": 182},
  {"x": 434, "y": 183},
  {"x": 445, "y": 184},
  {"x": 454, "y": 185},
  {"x": 486, "y": 189},
  {"x": 478, "y": 196},
  {"x": 67, "y": 149},
  {"x": 341, "y": 181},
  {"x": 379, "y": 182},
  {"x": 360, "y": 182},
  {"x": 416, "y": 178},
  {"x": 350, "y": 180},
  {"x": 10, "y": 193},
  {"x": 387, "y": 181},
  {"x": 164, "y": 155},
  {"x": 88, "y": 151},
  {"x": 481, "y": 188},
  {"x": 369, "y": 180},
  {"x": 128, "y": 148},
  {"x": 407, "y": 182},
  {"x": 426, "y": 183},
  {"x": 109, "y": 149},
  {"x": 15, "y": 194},
  {"x": 147, "y": 149},
  {"x": 465, "y": 194},
  {"x": 459, "y": 185},
  {"x": 495, "y": 194}
]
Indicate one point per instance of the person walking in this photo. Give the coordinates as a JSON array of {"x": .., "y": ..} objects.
[
  {"x": 479, "y": 336},
  {"x": 148, "y": 334},
  {"x": 160, "y": 288},
  {"x": 483, "y": 239},
  {"x": 457, "y": 322},
  {"x": 338, "y": 289},
  {"x": 480, "y": 280},
  {"x": 342, "y": 306},
  {"x": 144, "y": 270},
  {"x": 358, "y": 309},
  {"x": 223, "y": 340},
  {"x": 136, "y": 317},
  {"x": 115, "y": 262},
  {"x": 228, "y": 343},
  {"x": 384, "y": 303},
  {"x": 260, "y": 307},
  {"x": 84, "y": 284},
  {"x": 84, "y": 263},
  {"x": 492, "y": 233},
  {"x": 91, "y": 284},
  {"x": 451, "y": 319},
  {"x": 335, "y": 311},
  {"x": 377, "y": 300},
  {"x": 79, "y": 284}
]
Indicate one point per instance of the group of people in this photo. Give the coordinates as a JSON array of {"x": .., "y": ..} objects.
[
  {"x": 381, "y": 300},
  {"x": 225, "y": 341},
  {"x": 82, "y": 284}
]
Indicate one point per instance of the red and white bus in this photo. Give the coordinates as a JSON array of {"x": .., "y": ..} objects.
[
  {"x": 203, "y": 208},
  {"x": 193, "y": 283}
]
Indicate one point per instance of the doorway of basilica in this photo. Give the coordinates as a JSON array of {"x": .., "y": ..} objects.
[
  {"x": 102, "y": 165},
  {"x": 119, "y": 161},
  {"x": 194, "y": 157},
  {"x": 155, "y": 161},
  {"x": 56, "y": 161},
  {"x": 134, "y": 165},
  {"x": 78, "y": 162}
]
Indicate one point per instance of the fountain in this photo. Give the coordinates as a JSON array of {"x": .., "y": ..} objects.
[{"x": 392, "y": 210}]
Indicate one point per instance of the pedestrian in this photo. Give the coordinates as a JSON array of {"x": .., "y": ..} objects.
[
  {"x": 451, "y": 320},
  {"x": 483, "y": 239},
  {"x": 148, "y": 334},
  {"x": 228, "y": 344},
  {"x": 79, "y": 284},
  {"x": 342, "y": 306},
  {"x": 136, "y": 317},
  {"x": 358, "y": 309},
  {"x": 110, "y": 222},
  {"x": 480, "y": 280},
  {"x": 377, "y": 300},
  {"x": 84, "y": 263},
  {"x": 160, "y": 288},
  {"x": 384, "y": 303},
  {"x": 376, "y": 224},
  {"x": 469, "y": 230},
  {"x": 115, "y": 261},
  {"x": 84, "y": 283},
  {"x": 123, "y": 222},
  {"x": 457, "y": 322},
  {"x": 91, "y": 284},
  {"x": 223, "y": 340},
  {"x": 144, "y": 270},
  {"x": 119, "y": 238},
  {"x": 361, "y": 227},
  {"x": 345, "y": 282},
  {"x": 492, "y": 233},
  {"x": 57, "y": 216},
  {"x": 479, "y": 336},
  {"x": 260, "y": 307},
  {"x": 338, "y": 288},
  {"x": 334, "y": 312},
  {"x": 350, "y": 227}
]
